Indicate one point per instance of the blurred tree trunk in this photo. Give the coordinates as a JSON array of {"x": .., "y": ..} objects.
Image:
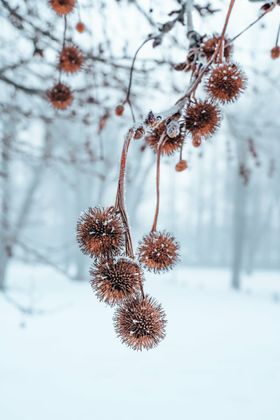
[
  {"x": 239, "y": 213},
  {"x": 5, "y": 253}
]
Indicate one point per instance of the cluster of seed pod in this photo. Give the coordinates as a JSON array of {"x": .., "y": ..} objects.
[
  {"x": 70, "y": 60},
  {"x": 223, "y": 81},
  {"x": 117, "y": 278}
]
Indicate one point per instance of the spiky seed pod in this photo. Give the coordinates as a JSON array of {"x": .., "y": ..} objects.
[
  {"x": 100, "y": 232},
  {"x": 140, "y": 323},
  {"x": 80, "y": 27},
  {"x": 115, "y": 280},
  {"x": 275, "y": 52},
  {"x": 119, "y": 110},
  {"x": 139, "y": 133},
  {"x": 202, "y": 118},
  {"x": 208, "y": 47},
  {"x": 158, "y": 252},
  {"x": 71, "y": 59},
  {"x": 181, "y": 166},
  {"x": 62, "y": 7},
  {"x": 60, "y": 96},
  {"x": 174, "y": 136},
  {"x": 226, "y": 82}
]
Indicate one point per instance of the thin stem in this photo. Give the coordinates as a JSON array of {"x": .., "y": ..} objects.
[
  {"x": 247, "y": 27},
  {"x": 222, "y": 37},
  {"x": 63, "y": 42},
  {"x": 277, "y": 36},
  {"x": 127, "y": 99},
  {"x": 159, "y": 148},
  {"x": 120, "y": 194}
]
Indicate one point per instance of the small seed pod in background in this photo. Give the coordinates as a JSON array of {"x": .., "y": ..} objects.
[
  {"x": 226, "y": 82},
  {"x": 100, "y": 232},
  {"x": 158, "y": 251},
  {"x": 174, "y": 136},
  {"x": 116, "y": 279},
  {"x": 275, "y": 52},
  {"x": 119, "y": 110},
  {"x": 71, "y": 59},
  {"x": 139, "y": 133},
  {"x": 202, "y": 118},
  {"x": 140, "y": 323},
  {"x": 208, "y": 47},
  {"x": 62, "y": 7},
  {"x": 60, "y": 96},
  {"x": 181, "y": 166},
  {"x": 196, "y": 141},
  {"x": 80, "y": 27}
]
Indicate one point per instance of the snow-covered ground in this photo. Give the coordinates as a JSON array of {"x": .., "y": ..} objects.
[{"x": 220, "y": 359}]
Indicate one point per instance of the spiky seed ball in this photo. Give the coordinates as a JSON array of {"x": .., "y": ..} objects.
[
  {"x": 115, "y": 280},
  {"x": 60, "y": 96},
  {"x": 139, "y": 133},
  {"x": 71, "y": 59},
  {"x": 275, "y": 52},
  {"x": 80, "y": 27},
  {"x": 174, "y": 136},
  {"x": 119, "y": 110},
  {"x": 181, "y": 166},
  {"x": 158, "y": 252},
  {"x": 209, "y": 46},
  {"x": 202, "y": 118},
  {"x": 140, "y": 323},
  {"x": 62, "y": 7},
  {"x": 226, "y": 82},
  {"x": 100, "y": 232}
]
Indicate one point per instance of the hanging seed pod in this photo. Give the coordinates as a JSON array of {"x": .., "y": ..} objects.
[
  {"x": 100, "y": 232},
  {"x": 140, "y": 323}
]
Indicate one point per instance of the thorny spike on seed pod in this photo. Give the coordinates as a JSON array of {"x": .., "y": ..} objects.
[
  {"x": 158, "y": 251},
  {"x": 140, "y": 323},
  {"x": 62, "y": 7},
  {"x": 114, "y": 280},
  {"x": 60, "y": 96},
  {"x": 100, "y": 232}
]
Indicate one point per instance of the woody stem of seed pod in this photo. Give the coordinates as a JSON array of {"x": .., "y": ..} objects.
[
  {"x": 222, "y": 37},
  {"x": 159, "y": 148},
  {"x": 120, "y": 200},
  {"x": 63, "y": 43},
  {"x": 277, "y": 35},
  {"x": 120, "y": 194}
]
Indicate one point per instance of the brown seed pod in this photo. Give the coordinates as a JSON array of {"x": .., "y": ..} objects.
[
  {"x": 100, "y": 232},
  {"x": 174, "y": 136},
  {"x": 181, "y": 166},
  {"x": 60, "y": 96},
  {"x": 115, "y": 280},
  {"x": 226, "y": 82},
  {"x": 139, "y": 133},
  {"x": 275, "y": 52},
  {"x": 208, "y": 47},
  {"x": 80, "y": 27},
  {"x": 140, "y": 323},
  {"x": 71, "y": 59},
  {"x": 119, "y": 110},
  {"x": 158, "y": 252},
  {"x": 62, "y": 7},
  {"x": 196, "y": 141},
  {"x": 202, "y": 118}
]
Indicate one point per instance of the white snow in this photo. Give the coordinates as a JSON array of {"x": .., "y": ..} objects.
[{"x": 220, "y": 359}]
